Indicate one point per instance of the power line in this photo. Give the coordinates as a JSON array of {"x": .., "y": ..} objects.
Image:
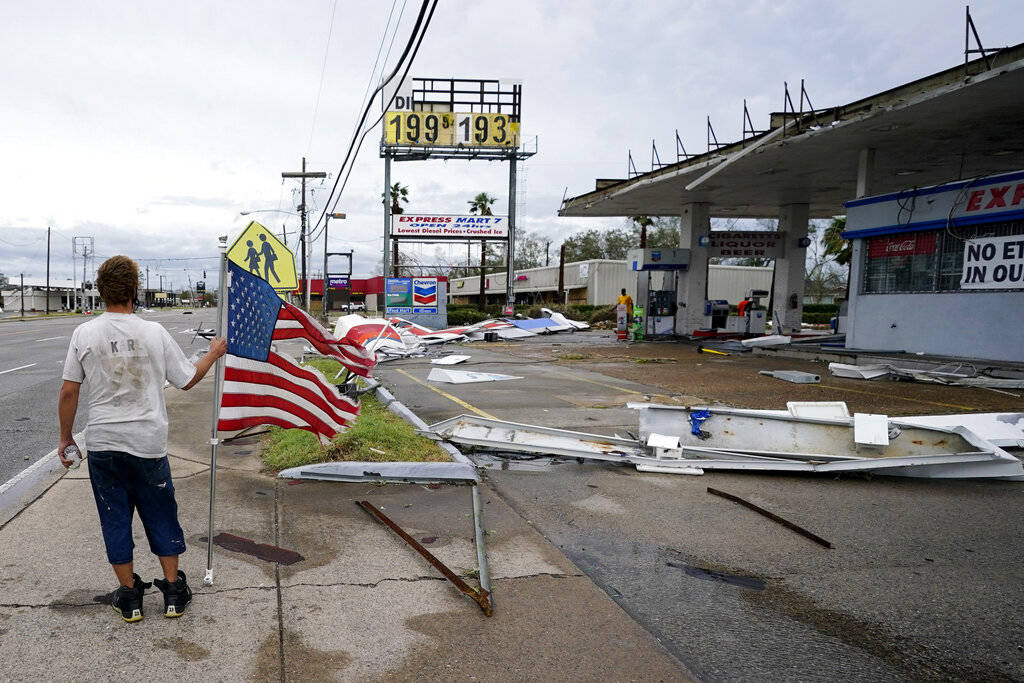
[
  {"x": 366, "y": 110},
  {"x": 408, "y": 66},
  {"x": 323, "y": 70}
]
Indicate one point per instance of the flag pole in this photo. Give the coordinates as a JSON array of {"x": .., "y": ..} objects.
[{"x": 218, "y": 379}]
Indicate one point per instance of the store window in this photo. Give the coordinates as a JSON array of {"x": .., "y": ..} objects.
[{"x": 926, "y": 261}]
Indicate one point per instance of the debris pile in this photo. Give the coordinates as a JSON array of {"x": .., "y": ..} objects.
[
  {"x": 950, "y": 374},
  {"x": 400, "y": 338},
  {"x": 806, "y": 437}
]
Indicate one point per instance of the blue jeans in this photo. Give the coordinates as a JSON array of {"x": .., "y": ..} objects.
[{"x": 123, "y": 483}]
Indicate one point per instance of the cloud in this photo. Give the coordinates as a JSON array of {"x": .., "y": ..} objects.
[{"x": 151, "y": 126}]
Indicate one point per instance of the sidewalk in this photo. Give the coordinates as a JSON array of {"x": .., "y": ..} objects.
[{"x": 359, "y": 605}]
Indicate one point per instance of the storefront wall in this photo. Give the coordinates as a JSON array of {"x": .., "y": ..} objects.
[{"x": 981, "y": 325}]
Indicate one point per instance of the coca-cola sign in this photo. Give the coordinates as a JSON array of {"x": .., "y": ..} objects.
[{"x": 902, "y": 245}]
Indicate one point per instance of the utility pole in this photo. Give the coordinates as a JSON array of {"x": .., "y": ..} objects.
[
  {"x": 85, "y": 260},
  {"x": 145, "y": 296},
  {"x": 483, "y": 270},
  {"x": 47, "y": 270},
  {"x": 561, "y": 272},
  {"x": 302, "y": 213},
  {"x": 23, "y": 295},
  {"x": 87, "y": 248},
  {"x": 284, "y": 232},
  {"x": 547, "y": 253}
]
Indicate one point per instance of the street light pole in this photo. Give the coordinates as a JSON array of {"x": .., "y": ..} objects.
[{"x": 327, "y": 220}]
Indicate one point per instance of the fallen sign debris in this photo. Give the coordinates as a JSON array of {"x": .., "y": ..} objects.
[
  {"x": 769, "y": 340},
  {"x": 772, "y": 516},
  {"x": 465, "y": 376},
  {"x": 449, "y": 360},
  {"x": 952, "y": 374},
  {"x": 794, "y": 376},
  {"x": 414, "y": 473},
  {"x": 480, "y": 597},
  {"x": 700, "y": 439}
]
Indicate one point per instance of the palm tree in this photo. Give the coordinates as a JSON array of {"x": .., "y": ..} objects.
[
  {"x": 641, "y": 223},
  {"x": 482, "y": 203},
  {"x": 839, "y": 248},
  {"x": 399, "y": 195}
]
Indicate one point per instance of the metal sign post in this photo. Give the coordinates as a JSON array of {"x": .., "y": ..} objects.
[
  {"x": 218, "y": 386},
  {"x": 455, "y": 118}
]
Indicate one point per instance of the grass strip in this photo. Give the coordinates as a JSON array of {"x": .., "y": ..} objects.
[{"x": 377, "y": 435}]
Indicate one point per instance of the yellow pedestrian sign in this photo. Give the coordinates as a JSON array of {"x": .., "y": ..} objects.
[{"x": 262, "y": 254}]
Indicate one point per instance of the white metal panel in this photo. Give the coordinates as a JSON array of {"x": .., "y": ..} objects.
[{"x": 733, "y": 282}]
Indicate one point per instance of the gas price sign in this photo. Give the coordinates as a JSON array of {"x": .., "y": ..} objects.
[
  {"x": 421, "y": 128},
  {"x": 441, "y": 129}
]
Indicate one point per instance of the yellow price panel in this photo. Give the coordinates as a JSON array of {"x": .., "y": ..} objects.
[
  {"x": 422, "y": 128},
  {"x": 486, "y": 130}
]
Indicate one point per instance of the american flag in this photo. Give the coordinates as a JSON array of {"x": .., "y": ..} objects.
[{"x": 263, "y": 387}]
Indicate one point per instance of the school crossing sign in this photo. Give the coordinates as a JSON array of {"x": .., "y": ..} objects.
[{"x": 259, "y": 252}]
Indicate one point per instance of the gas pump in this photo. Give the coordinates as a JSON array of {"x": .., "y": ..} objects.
[
  {"x": 752, "y": 318},
  {"x": 661, "y": 311}
]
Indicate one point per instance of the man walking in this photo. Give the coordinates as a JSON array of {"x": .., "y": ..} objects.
[{"x": 124, "y": 361}]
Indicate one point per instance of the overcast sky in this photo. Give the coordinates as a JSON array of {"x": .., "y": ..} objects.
[{"x": 150, "y": 126}]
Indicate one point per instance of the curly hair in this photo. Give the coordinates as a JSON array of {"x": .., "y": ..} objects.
[{"x": 118, "y": 280}]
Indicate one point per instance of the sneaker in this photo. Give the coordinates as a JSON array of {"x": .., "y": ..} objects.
[
  {"x": 177, "y": 595},
  {"x": 127, "y": 601}
]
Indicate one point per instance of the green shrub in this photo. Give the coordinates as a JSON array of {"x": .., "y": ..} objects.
[
  {"x": 465, "y": 315},
  {"x": 817, "y": 318},
  {"x": 831, "y": 309},
  {"x": 602, "y": 314}
]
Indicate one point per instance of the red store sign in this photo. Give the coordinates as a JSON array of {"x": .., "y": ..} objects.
[{"x": 902, "y": 245}]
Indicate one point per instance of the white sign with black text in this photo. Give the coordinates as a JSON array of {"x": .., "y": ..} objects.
[
  {"x": 449, "y": 226},
  {"x": 993, "y": 263}
]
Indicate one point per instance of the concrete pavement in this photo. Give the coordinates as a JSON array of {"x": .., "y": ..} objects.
[{"x": 358, "y": 605}]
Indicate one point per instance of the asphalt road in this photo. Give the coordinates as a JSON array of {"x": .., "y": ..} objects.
[
  {"x": 923, "y": 582},
  {"x": 32, "y": 356}
]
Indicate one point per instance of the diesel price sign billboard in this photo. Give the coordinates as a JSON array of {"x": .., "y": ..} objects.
[{"x": 449, "y": 227}]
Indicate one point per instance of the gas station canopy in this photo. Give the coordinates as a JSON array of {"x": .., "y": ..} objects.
[{"x": 959, "y": 123}]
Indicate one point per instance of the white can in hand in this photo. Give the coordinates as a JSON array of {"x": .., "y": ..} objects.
[{"x": 72, "y": 453}]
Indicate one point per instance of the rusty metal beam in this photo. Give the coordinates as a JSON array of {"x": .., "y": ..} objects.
[
  {"x": 480, "y": 597},
  {"x": 772, "y": 516}
]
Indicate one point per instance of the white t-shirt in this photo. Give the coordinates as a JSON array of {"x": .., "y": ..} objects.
[{"x": 125, "y": 361}]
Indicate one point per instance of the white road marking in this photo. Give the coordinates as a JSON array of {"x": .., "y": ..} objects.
[
  {"x": 20, "y": 367},
  {"x": 52, "y": 338}
]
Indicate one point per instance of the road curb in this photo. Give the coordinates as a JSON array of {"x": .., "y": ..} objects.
[
  {"x": 26, "y": 486},
  {"x": 401, "y": 410}
]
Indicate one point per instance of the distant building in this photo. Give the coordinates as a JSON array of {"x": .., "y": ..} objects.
[{"x": 597, "y": 282}]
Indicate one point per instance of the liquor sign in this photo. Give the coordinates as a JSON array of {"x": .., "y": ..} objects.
[
  {"x": 902, "y": 245},
  {"x": 449, "y": 226},
  {"x": 738, "y": 244},
  {"x": 993, "y": 263},
  {"x": 337, "y": 282}
]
